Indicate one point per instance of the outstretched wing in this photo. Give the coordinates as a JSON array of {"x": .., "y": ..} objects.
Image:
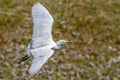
[
  {"x": 42, "y": 31},
  {"x": 41, "y": 55}
]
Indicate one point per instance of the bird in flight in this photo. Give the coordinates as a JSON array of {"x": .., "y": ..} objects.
[{"x": 42, "y": 44}]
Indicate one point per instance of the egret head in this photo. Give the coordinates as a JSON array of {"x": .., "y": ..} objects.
[{"x": 60, "y": 44}]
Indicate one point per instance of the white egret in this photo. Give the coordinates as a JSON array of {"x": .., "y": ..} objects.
[{"x": 42, "y": 45}]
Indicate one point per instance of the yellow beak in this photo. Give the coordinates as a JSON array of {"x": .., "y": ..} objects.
[{"x": 68, "y": 41}]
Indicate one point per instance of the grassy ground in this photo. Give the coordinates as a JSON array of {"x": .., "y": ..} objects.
[{"x": 93, "y": 26}]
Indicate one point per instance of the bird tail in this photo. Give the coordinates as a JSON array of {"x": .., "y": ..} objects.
[{"x": 23, "y": 59}]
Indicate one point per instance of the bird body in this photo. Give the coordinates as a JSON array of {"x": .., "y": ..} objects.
[{"x": 42, "y": 45}]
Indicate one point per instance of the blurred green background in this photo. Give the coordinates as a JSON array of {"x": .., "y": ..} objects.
[{"x": 92, "y": 25}]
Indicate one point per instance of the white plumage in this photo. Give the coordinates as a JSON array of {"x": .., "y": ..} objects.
[
  {"x": 42, "y": 45},
  {"x": 42, "y": 26},
  {"x": 42, "y": 42},
  {"x": 41, "y": 55}
]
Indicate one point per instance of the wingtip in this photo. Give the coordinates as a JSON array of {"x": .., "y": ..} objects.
[
  {"x": 31, "y": 73},
  {"x": 37, "y": 4}
]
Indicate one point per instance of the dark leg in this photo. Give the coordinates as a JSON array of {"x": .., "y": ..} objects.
[{"x": 23, "y": 59}]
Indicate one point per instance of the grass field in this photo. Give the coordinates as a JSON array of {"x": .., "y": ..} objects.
[{"x": 92, "y": 25}]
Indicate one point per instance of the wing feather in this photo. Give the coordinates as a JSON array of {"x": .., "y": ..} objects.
[
  {"x": 42, "y": 55},
  {"x": 40, "y": 46},
  {"x": 42, "y": 31}
]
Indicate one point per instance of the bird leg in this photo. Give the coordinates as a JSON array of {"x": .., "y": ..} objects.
[{"x": 23, "y": 59}]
